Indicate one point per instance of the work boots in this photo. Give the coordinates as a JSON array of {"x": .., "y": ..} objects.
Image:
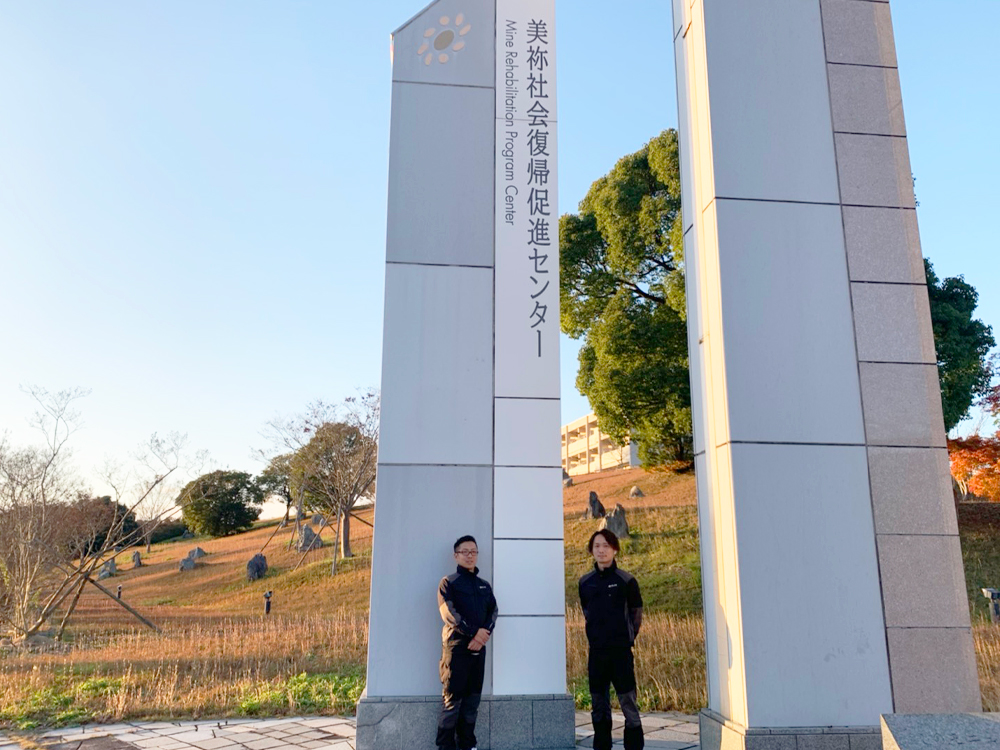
[
  {"x": 633, "y": 738},
  {"x": 602, "y": 735}
]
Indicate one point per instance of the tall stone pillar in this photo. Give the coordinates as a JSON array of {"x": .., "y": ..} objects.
[
  {"x": 833, "y": 581},
  {"x": 470, "y": 426}
]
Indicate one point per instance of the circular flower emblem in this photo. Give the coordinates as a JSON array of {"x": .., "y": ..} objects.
[{"x": 443, "y": 41}]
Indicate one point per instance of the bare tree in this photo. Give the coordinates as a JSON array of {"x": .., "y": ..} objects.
[
  {"x": 35, "y": 483},
  {"x": 338, "y": 465},
  {"x": 332, "y": 460},
  {"x": 53, "y": 536}
]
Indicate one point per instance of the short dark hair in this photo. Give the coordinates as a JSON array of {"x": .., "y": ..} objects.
[
  {"x": 463, "y": 539},
  {"x": 609, "y": 537}
]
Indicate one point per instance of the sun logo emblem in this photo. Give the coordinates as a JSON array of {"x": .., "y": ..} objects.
[{"x": 445, "y": 39}]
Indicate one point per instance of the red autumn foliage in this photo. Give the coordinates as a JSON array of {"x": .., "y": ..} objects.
[{"x": 975, "y": 465}]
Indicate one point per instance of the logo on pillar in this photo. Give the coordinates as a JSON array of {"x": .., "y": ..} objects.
[{"x": 444, "y": 41}]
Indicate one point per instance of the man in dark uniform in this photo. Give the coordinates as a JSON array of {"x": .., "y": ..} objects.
[
  {"x": 469, "y": 611},
  {"x": 612, "y": 607}
]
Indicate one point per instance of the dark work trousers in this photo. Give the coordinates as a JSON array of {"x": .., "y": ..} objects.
[
  {"x": 462, "y": 681},
  {"x": 607, "y": 667}
]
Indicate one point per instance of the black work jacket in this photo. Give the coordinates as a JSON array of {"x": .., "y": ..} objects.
[
  {"x": 466, "y": 603},
  {"x": 612, "y": 606}
]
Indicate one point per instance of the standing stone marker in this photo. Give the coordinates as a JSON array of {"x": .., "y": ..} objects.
[
  {"x": 469, "y": 435},
  {"x": 804, "y": 277}
]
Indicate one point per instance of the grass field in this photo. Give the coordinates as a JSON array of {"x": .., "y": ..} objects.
[{"x": 218, "y": 656}]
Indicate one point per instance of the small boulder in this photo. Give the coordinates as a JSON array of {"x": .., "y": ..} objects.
[
  {"x": 594, "y": 507},
  {"x": 109, "y": 569},
  {"x": 615, "y": 522},
  {"x": 187, "y": 534},
  {"x": 197, "y": 553},
  {"x": 136, "y": 559},
  {"x": 635, "y": 492},
  {"x": 568, "y": 482},
  {"x": 186, "y": 564},
  {"x": 319, "y": 520},
  {"x": 257, "y": 567},
  {"x": 308, "y": 540}
]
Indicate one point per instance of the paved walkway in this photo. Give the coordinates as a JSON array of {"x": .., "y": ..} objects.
[{"x": 663, "y": 731}]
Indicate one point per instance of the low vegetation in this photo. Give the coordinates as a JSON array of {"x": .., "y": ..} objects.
[{"x": 219, "y": 656}]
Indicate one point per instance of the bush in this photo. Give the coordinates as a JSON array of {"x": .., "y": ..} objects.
[{"x": 167, "y": 530}]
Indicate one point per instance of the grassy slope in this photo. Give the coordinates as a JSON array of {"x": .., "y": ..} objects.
[
  {"x": 663, "y": 554},
  {"x": 218, "y": 657}
]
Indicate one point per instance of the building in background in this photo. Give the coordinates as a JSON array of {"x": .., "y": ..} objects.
[{"x": 585, "y": 449}]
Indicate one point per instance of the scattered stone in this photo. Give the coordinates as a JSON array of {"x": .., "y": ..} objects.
[
  {"x": 136, "y": 559},
  {"x": 187, "y": 534},
  {"x": 636, "y": 492},
  {"x": 257, "y": 567},
  {"x": 309, "y": 540},
  {"x": 196, "y": 553},
  {"x": 319, "y": 520},
  {"x": 109, "y": 569},
  {"x": 615, "y": 522},
  {"x": 594, "y": 507},
  {"x": 568, "y": 482},
  {"x": 186, "y": 564}
]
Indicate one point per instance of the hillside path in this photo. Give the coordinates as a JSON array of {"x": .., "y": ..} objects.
[{"x": 664, "y": 731}]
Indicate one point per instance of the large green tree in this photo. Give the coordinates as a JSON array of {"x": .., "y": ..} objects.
[
  {"x": 221, "y": 503},
  {"x": 963, "y": 344},
  {"x": 622, "y": 292}
]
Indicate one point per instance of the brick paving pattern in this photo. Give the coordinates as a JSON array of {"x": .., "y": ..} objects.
[{"x": 664, "y": 731}]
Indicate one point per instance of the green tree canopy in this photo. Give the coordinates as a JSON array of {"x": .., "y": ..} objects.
[
  {"x": 622, "y": 291},
  {"x": 221, "y": 503},
  {"x": 963, "y": 344}
]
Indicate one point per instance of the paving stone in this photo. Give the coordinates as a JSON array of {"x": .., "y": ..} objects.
[
  {"x": 670, "y": 735},
  {"x": 687, "y": 728},
  {"x": 265, "y": 743},
  {"x": 241, "y": 735},
  {"x": 214, "y": 744},
  {"x": 297, "y": 728},
  {"x": 671, "y": 744}
]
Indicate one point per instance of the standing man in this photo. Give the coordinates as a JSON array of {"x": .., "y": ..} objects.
[
  {"x": 469, "y": 611},
  {"x": 612, "y": 607}
]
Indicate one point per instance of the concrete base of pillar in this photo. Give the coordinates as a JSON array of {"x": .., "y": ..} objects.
[
  {"x": 934, "y": 731},
  {"x": 506, "y": 722},
  {"x": 718, "y": 733}
]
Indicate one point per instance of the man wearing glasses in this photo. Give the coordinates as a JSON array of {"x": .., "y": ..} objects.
[{"x": 469, "y": 611}]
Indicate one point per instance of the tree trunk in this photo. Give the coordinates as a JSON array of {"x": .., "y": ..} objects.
[
  {"x": 336, "y": 544},
  {"x": 69, "y": 611},
  {"x": 346, "y": 543}
]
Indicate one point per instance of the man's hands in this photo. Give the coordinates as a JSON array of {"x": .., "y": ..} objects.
[{"x": 479, "y": 640}]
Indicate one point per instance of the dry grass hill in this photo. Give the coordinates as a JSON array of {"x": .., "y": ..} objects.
[{"x": 217, "y": 655}]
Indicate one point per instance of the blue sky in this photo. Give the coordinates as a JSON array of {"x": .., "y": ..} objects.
[{"x": 192, "y": 195}]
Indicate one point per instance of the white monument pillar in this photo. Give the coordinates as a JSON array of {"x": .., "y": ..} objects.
[
  {"x": 470, "y": 374},
  {"x": 833, "y": 582}
]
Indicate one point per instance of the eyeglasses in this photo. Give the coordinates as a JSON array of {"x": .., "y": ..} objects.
[{"x": 472, "y": 552}]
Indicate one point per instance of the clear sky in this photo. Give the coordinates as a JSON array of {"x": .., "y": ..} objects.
[{"x": 192, "y": 194}]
